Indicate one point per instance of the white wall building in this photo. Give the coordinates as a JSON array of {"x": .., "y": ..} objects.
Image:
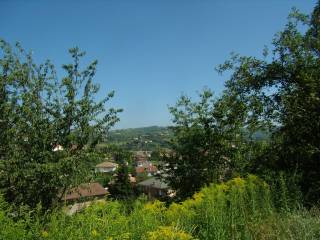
[{"x": 106, "y": 167}]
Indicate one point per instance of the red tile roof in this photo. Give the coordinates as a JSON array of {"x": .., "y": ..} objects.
[
  {"x": 140, "y": 170},
  {"x": 148, "y": 169}
]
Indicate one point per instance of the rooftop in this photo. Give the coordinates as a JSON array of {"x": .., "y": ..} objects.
[
  {"x": 154, "y": 182},
  {"x": 85, "y": 190},
  {"x": 106, "y": 164}
]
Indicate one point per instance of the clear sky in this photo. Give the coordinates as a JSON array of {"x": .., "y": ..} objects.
[{"x": 149, "y": 52}]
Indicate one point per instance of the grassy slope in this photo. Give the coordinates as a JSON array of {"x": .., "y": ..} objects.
[{"x": 238, "y": 209}]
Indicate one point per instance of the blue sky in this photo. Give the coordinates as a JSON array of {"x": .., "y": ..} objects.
[{"x": 149, "y": 52}]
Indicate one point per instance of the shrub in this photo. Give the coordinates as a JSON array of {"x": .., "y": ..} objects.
[
  {"x": 168, "y": 233},
  {"x": 238, "y": 209}
]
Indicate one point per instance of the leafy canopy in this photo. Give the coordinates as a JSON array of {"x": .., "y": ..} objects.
[
  {"x": 282, "y": 93},
  {"x": 40, "y": 113}
]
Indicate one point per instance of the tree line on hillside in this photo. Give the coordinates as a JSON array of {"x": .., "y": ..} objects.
[{"x": 137, "y": 139}]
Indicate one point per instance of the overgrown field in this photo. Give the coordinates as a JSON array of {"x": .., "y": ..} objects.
[{"x": 239, "y": 209}]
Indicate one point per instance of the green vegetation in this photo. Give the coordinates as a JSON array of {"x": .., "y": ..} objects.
[
  {"x": 283, "y": 95},
  {"x": 41, "y": 114},
  {"x": 266, "y": 123},
  {"x": 146, "y": 138},
  {"x": 238, "y": 209},
  {"x": 121, "y": 187},
  {"x": 279, "y": 94},
  {"x": 207, "y": 147}
]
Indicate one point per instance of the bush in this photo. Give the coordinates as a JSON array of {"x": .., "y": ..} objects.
[
  {"x": 168, "y": 233},
  {"x": 238, "y": 209}
]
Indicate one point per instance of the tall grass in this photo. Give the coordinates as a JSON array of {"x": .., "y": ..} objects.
[{"x": 239, "y": 209}]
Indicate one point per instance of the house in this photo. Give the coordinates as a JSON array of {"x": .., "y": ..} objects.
[
  {"x": 57, "y": 148},
  {"x": 152, "y": 169},
  {"x": 141, "y": 163},
  {"x": 85, "y": 192},
  {"x": 106, "y": 167},
  {"x": 141, "y": 156},
  {"x": 154, "y": 188},
  {"x": 148, "y": 169},
  {"x": 131, "y": 178}
]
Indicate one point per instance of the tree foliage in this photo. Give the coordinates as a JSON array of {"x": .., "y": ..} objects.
[
  {"x": 282, "y": 92},
  {"x": 39, "y": 112},
  {"x": 121, "y": 187},
  {"x": 279, "y": 93},
  {"x": 206, "y": 145}
]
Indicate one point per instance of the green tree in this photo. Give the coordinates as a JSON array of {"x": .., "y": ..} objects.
[
  {"x": 206, "y": 146},
  {"x": 40, "y": 111},
  {"x": 281, "y": 92},
  {"x": 121, "y": 187}
]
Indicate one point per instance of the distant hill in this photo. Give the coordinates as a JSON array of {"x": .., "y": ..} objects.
[
  {"x": 144, "y": 138},
  {"x": 153, "y": 137}
]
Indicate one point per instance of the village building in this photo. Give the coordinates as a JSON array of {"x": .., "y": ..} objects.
[
  {"x": 132, "y": 179},
  {"x": 85, "y": 192},
  {"x": 57, "y": 148},
  {"x": 150, "y": 170},
  {"x": 106, "y": 167},
  {"x": 142, "y": 156},
  {"x": 154, "y": 188}
]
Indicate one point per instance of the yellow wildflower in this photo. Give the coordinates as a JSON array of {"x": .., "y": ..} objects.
[
  {"x": 223, "y": 187},
  {"x": 239, "y": 181},
  {"x": 94, "y": 233},
  {"x": 44, "y": 234},
  {"x": 125, "y": 236},
  {"x": 168, "y": 233}
]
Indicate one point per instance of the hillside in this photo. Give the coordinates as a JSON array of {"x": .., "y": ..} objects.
[
  {"x": 144, "y": 138},
  {"x": 153, "y": 137}
]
